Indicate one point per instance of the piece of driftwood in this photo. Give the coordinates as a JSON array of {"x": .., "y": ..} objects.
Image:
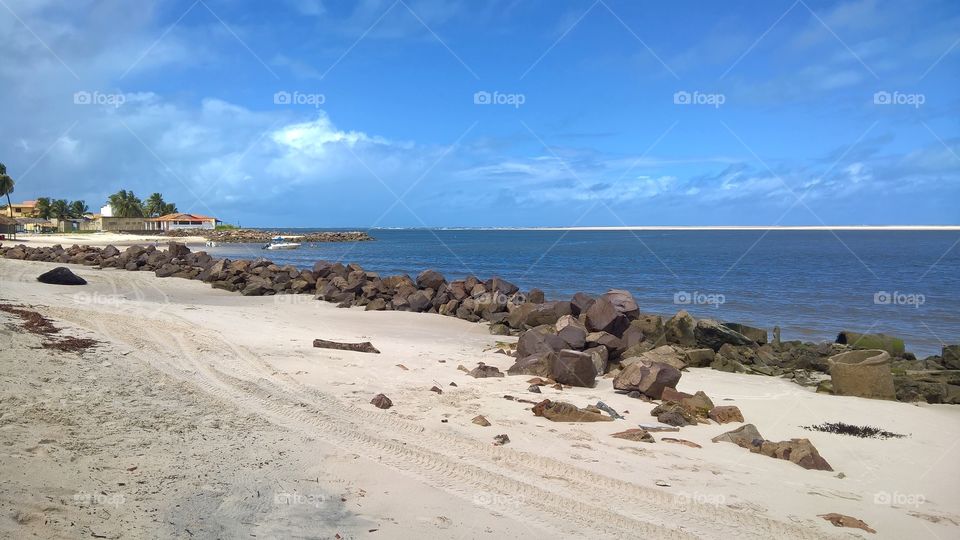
[{"x": 366, "y": 346}]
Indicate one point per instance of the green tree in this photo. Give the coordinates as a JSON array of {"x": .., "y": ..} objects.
[
  {"x": 6, "y": 187},
  {"x": 78, "y": 209},
  {"x": 43, "y": 207},
  {"x": 60, "y": 209},
  {"x": 155, "y": 206},
  {"x": 125, "y": 204}
]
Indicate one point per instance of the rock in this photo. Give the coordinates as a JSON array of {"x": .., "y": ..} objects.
[
  {"x": 658, "y": 427},
  {"x": 177, "y": 250},
  {"x": 699, "y": 404},
  {"x": 632, "y": 336},
  {"x": 481, "y": 421},
  {"x": 61, "y": 275},
  {"x": 436, "y": 389},
  {"x": 758, "y": 335},
  {"x": 536, "y": 296},
  {"x": 600, "y": 357},
  {"x": 363, "y": 346},
  {"x": 534, "y": 388},
  {"x": 377, "y": 304},
  {"x": 862, "y": 373},
  {"x": 725, "y": 414},
  {"x": 603, "y": 316},
  {"x": 571, "y": 331},
  {"x": 722, "y": 363},
  {"x": 574, "y": 368},
  {"x": 684, "y": 442},
  {"x": 608, "y": 409},
  {"x": 561, "y": 411},
  {"x": 840, "y": 520},
  {"x": 483, "y": 371},
  {"x": 673, "y": 418},
  {"x": 580, "y": 303},
  {"x": 430, "y": 279},
  {"x": 539, "y": 364},
  {"x": 951, "y": 356},
  {"x": 499, "y": 329},
  {"x": 679, "y": 329},
  {"x": 606, "y": 339},
  {"x": 381, "y": 401},
  {"x": 623, "y": 301},
  {"x": 636, "y": 435},
  {"x": 799, "y": 451},
  {"x": 744, "y": 436},
  {"x": 652, "y": 328},
  {"x": 419, "y": 301},
  {"x": 501, "y": 286},
  {"x": 892, "y": 345},
  {"x": 712, "y": 334},
  {"x": 665, "y": 354},
  {"x": 698, "y": 357},
  {"x": 740, "y": 354},
  {"x": 647, "y": 378},
  {"x": 501, "y": 439},
  {"x": 539, "y": 339}
]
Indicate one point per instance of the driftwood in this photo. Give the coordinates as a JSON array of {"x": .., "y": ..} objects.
[{"x": 366, "y": 346}]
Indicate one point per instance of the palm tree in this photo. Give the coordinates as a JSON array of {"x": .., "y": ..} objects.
[
  {"x": 153, "y": 206},
  {"x": 43, "y": 207},
  {"x": 125, "y": 204},
  {"x": 78, "y": 209},
  {"x": 6, "y": 187},
  {"x": 168, "y": 208},
  {"x": 60, "y": 209}
]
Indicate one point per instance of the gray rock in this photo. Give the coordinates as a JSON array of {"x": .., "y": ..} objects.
[
  {"x": 679, "y": 329},
  {"x": 571, "y": 331},
  {"x": 574, "y": 368},
  {"x": 710, "y": 333}
]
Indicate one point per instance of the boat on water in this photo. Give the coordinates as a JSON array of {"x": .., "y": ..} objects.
[{"x": 279, "y": 242}]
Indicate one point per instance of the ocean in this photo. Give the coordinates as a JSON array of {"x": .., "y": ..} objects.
[{"x": 811, "y": 283}]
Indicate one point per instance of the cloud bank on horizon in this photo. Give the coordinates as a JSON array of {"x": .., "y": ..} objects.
[{"x": 503, "y": 113}]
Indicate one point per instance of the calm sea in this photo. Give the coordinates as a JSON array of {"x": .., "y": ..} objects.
[{"x": 811, "y": 283}]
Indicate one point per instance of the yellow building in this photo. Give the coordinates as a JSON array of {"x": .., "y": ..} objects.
[{"x": 26, "y": 209}]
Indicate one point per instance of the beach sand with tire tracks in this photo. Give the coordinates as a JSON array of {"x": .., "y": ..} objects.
[{"x": 203, "y": 413}]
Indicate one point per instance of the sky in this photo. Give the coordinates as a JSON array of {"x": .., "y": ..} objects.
[{"x": 416, "y": 113}]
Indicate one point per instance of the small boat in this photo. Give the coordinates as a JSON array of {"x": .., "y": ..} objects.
[{"x": 278, "y": 242}]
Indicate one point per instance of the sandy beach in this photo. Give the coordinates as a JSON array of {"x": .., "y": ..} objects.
[
  {"x": 100, "y": 239},
  {"x": 203, "y": 413}
]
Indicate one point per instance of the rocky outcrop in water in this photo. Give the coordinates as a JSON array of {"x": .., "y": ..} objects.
[{"x": 255, "y": 236}]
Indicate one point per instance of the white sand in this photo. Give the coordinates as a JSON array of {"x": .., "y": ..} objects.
[
  {"x": 226, "y": 409},
  {"x": 101, "y": 239}
]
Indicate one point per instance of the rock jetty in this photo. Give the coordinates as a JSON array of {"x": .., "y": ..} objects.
[
  {"x": 256, "y": 236},
  {"x": 572, "y": 342}
]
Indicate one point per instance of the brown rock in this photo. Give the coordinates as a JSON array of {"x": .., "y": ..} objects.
[
  {"x": 684, "y": 442},
  {"x": 636, "y": 435},
  {"x": 381, "y": 401},
  {"x": 501, "y": 439},
  {"x": 574, "y": 368},
  {"x": 483, "y": 371},
  {"x": 725, "y": 414},
  {"x": 436, "y": 389},
  {"x": 623, "y": 301},
  {"x": 744, "y": 436},
  {"x": 699, "y": 357},
  {"x": 571, "y": 331},
  {"x": 560, "y": 411},
  {"x": 649, "y": 378},
  {"x": 840, "y": 520},
  {"x": 799, "y": 451},
  {"x": 481, "y": 421},
  {"x": 679, "y": 329},
  {"x": 540, "y": 364}
]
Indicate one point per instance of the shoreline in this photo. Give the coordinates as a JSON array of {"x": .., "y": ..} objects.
[{"x": 254, "y": 355}]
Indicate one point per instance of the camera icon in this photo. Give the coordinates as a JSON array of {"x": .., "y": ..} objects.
[
  {"x": 882, "y": 298},
  {"x": 82, "y": 98},
  {"x": 882, "y": 98},
  {"x": 682, "y": 297},
  {"x": 482, "y": 98},
  {"x": 281, "y": 98},
  {"x": 882, "y": 497},
  {"x": 682, "y": 98}
]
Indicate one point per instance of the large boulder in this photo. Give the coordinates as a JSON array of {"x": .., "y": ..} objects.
[
  {"x": 698, "y": 357},
  {"x": 862, "y": 373},
  {"x": 574, "y": 368},
  {"x": 603, "y": 316},
  {"x": 600, "y": 356},
  {"x": 541, "y": 338},
  {"x": 581, "y": 302},
  {"x": 649, "y": 378},
  {"x": 652, "y": 328},
  {"x": 571, "y": 331},
  {"x": 176, "y": 250},
  {"x": 758, "y": 335},
  {"x": 623, "y": 301},
  {"x": 799, "y": 451},
  {"x": 430, "y": 279},
  {"x": 951, "y": 356},
  {"x": 539, "y": 364},
  {"x": 61, "y": 275},
  {"x": 679, "y": 329},
  {"x": 710, "y": 333},
  {"x": 499, "y": 285},
  {"x": 665, "y": 354}
]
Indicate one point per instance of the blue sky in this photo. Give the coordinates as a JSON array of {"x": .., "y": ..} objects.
[{"x": 602, "y": 113}]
